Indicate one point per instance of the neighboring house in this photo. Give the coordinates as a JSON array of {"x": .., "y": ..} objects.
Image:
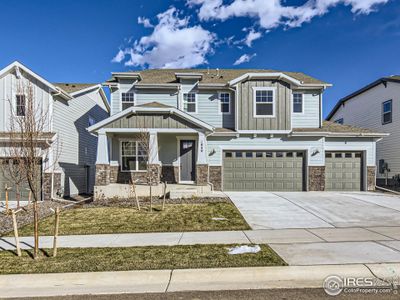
[
  {"x": 377, "y": 107},
  {"x": 71, "y": 109},
  {"x": 234, "y": 130}
]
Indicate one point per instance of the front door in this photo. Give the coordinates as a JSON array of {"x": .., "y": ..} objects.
[{"x": 187, "y": 159}]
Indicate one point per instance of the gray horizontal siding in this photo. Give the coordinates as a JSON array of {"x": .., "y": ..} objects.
[{"x": 311, "y": 112}]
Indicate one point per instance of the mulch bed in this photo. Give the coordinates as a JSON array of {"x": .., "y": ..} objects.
[{"x": 25, "y": 216}]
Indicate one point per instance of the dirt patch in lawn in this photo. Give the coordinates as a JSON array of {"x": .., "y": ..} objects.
[
  {"x": 136, "y": 258},
  {"x": 94, "y": 218}
]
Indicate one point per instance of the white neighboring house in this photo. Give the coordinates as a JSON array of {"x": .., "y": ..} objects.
[
  {"x": 377, "y": 107},
  {"x": 72, "y": 108}
]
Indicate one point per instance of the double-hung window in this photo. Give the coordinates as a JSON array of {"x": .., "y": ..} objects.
[
  {"x": 264, "y": 102},
  {"x": 127, "y": 99},
  {"x": 133, "y": 156},
  {"x": 225, "y": 103},
  {"x": 387, "y": 112},
  {"x": 189, "y": 102},
  {"x": 20, "y": 105},
  {"x": 297, "y": 103}
]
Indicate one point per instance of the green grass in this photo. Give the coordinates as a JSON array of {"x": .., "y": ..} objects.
[
  {"x": 135, "y": 258},
  {"x": 175, "y": 217}
]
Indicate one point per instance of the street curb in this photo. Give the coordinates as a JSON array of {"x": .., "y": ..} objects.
[{"x": 158, "y": 281}]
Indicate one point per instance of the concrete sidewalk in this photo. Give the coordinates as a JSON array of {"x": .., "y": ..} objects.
[{"x": 42, "y": 285}]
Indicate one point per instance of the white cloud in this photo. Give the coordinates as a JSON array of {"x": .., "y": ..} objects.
[
  {"x": 172, "y": 44},
  {"x": 252, "y": 36},
  {"x": 272, "y": 13},
  {"x": 145, "y": 22},
  {"x": 243, "y": 59}
]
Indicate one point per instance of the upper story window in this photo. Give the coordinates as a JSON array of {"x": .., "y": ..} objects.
[
  {"x": 20, "y": 105},
  {"x": 225, "y": 103},
  {"x": 133, "y": 156},
  {"x": 189, "y": 102},
  {"x": 264, "y": 102},
  {"x": 387, "y": 112},
  {"x": 127, "y": 100},
  {"x": 339, "y": 121},
  {"x": 297, "y": 102},
  {"x": 91, "y": 121}
]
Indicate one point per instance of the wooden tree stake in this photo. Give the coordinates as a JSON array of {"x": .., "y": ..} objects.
[
  {"x": 165, "y": 193},
  {"x": 14, "y": 218},
  {"x": 56, "y": 226}
]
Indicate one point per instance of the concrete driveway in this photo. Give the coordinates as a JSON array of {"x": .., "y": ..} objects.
[
  {"x": 278, "y": 210},
  {"x": 324, "y": 227}
]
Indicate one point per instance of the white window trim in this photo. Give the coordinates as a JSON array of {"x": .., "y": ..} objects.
[
  {"x": 196, "y": 99},
  {"x": 120, "y": 98},
  {"x": 229, "y": 103},
  {"x": 391, "y": 111},
  {"x": 15, "y": 106},
  {"x": 273, "y": 89},
  {"x": 302, "y": 103},
  {"x": 137, "y": 160}
]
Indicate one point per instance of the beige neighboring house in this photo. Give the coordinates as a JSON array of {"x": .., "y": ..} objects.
[
  {"x": 72, "y": 108},
  {"x": 376, "y": 106},
  {"x": 229, "y": 130}
]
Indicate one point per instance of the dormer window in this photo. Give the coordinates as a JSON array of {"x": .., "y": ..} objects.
[
  {"x": 298, "y": 103},
  {"x": 20, "y": 105},
  {"x": 225, "y": 103},
  {"x": 264, "y": 102},
  {"x": 127, "y": 100},
  {"x": 189, "y": 102}
]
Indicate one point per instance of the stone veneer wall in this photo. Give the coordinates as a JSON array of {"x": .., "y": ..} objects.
[
  {"x": 106, "y": 174},
  {"x": 49, "y": 180},
  {"x": 316, "y": 178},
  {"x": 102, "y": 174},
  {"x": 170, "y": 174},
  {"x": 371, "y": 178},
  {"x": 215, "y": 177},
  {"x": 201, "y": 174}
]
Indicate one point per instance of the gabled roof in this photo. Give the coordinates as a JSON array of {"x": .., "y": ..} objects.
[
  {"x": 16, "y": 65},
  {"x": 212, "y": 76},
  {"x": 153, "y": 107},
  {"x": 383, "y": 80}
]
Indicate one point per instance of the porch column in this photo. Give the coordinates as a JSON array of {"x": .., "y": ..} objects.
[
  {"x": 102, "y": 160},
  {"x": 102, "y": 149},
  {"x": 154, "y": 162},
  {"x": 201, "y": 163},
  {"x": 153, "y": 145}
]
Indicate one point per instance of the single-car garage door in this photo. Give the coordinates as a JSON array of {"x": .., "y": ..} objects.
[
  {"x": 343, "y": 171},
  {"x": 263, "y": 170},
  {"x": 9, "y": 180}
]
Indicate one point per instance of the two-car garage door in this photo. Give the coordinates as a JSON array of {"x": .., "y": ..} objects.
[
  {"x": 263, "y": 171},
  {"x": 285, "y": 171}
]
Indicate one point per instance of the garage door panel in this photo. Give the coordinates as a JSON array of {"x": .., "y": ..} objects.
[
  {"x": 263, "y": 171},
  {"x": 343, "y": 171}
]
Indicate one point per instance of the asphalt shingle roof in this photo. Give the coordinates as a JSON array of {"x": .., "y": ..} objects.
[
  {"x": 162, "y": 76},
  {"x": 328, "y": 126},
  {"x": 73, "y": 87}
]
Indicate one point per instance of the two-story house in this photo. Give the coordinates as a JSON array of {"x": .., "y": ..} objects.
[
  {"x": 69, "y": 109},
  {"x": 234, "y": 130},
  {"x": 376, "y": 106}
]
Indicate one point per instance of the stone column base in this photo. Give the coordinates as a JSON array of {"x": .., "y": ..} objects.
[
  {"x": 215, "y": 175},
  {"x": 316, "y": 178},
  {"x": 201, "y": 174},
  {"x": 102, "y": 174},
  {"x": 51, "y": 180},
  {"x": 371, "y": 178}
]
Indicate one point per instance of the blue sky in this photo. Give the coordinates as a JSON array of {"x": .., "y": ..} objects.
[{"x": 348, "y": 43}]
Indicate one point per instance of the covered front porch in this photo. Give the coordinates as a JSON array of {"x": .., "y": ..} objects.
[{"x": 176, "y": 152}]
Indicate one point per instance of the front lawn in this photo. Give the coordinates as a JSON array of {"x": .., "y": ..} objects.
[
  {"x": 175, "y": 218},
  {"x": 136, "y": 258}
]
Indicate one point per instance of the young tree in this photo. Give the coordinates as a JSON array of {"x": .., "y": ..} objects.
[{"x": 31, "y": 145}]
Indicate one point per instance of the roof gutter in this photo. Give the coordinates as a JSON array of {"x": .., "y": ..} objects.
[{"x": 340, "y": 134}]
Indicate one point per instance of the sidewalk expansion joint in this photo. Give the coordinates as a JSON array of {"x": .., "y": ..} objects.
[{"x": 169, "y": 281}]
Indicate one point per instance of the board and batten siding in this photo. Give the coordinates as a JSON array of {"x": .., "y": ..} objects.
[
  {"x": 310, "y": 117},
  {"x": 216, "y": 146},
  {"x": 365, "y": 110},
  {"x": 78, "y": 147},
  {"x": 245, "y": 105}
]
